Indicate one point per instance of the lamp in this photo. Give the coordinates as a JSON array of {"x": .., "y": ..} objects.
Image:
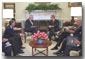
[
  {"x": 76, "y": 11},
  {"x": 8, "y": 15}
]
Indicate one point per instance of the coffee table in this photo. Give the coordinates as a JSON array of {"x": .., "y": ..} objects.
[{"x": 35, "y": 45}]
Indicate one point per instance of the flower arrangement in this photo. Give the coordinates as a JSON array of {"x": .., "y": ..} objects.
[{"x": 40, "y": 36}]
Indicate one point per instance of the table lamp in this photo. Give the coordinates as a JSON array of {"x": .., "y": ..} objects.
[
  {"x": 8, "y": 15},
  {"x": 76, "y": 11}
]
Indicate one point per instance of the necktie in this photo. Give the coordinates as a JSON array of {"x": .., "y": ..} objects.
[
  {"x": 53, "y": 22},
  {"x": 31, "y": 22}
]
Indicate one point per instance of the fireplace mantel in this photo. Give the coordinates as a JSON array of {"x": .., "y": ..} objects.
[
  {"x": 42, "y": 14},
  {"x": 42, "y": 18}
]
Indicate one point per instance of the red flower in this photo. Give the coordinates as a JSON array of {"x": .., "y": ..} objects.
[{"x": 40, "y": 35}]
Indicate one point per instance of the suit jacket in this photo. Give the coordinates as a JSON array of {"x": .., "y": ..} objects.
[
  {"x": 78, "y": 33},
  {"x": 70, "y": 41},
  {"x": 28, "y": 25},
  {"x": 9, "y": 32},
  {"x": 13, "y": 38},
  {"x": 56, "y": 24}
]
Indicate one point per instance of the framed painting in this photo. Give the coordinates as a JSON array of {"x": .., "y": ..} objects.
[
  {"x": 74, "y": 4},
  {"x": 9, "y": 6},
  {"x": 41, "y": 2}
]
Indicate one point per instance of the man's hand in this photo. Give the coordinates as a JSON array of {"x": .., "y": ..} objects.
[
  {"x": 22, "y": 35},
  {"x": 8, "y": 44},
  {"x": 4, "y": 40},
  {"x": 33, "y": 26},
  {"x": 50, "y": 26},
  {"x": 77, "y": 42}
]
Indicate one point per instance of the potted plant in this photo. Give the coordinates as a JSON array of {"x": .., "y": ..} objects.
[
  {"x": 40, "y": 36},
  {"x": 32, "y": 7}
]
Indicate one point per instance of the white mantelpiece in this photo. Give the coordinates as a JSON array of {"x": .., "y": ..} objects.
[{"x": 42, "y": 14}]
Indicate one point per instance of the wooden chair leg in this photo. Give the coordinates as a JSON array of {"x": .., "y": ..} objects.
[
  {"x": 11, "y": 52},
  {"x": 25, "y": 38}
]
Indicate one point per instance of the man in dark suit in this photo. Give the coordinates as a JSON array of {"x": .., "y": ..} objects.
[
  {"x": 72, "y": 42},
  {"x": 29, "y": 26},
  {"x": 78, "y": 33},
  {"x": 61, "y": 38},
  {"x": 53, "y": 27},
  {"x": 13, "y": 38}
]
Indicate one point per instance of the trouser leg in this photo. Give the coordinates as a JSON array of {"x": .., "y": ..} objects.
[
  {"x": 58, "y": 43},
  {"x": 80, "y": 53},
  {"x": 15, "y": 45},
  {"x": 34, "y": 30},
  {"x": 8, "y": 51},
  {"x": 68, "y": 49},
  {"x": 50, "y": 35},
  {"x": 20, "y": 41}
]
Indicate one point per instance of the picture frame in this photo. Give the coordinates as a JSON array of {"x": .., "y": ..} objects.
[
  {"x": 74, "y": 4},
  {"x": 9, "y": 6},
  {"x": 41, "y": 2}
]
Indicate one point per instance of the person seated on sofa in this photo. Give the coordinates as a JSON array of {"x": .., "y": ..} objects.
[
  {"x": 78, "y": 33},
  {"x": 53, "y": 27},
  {"x": 61, "y": 37},
  {"x": 14, "y": 38},
  {"x": 29, "y": 26},
  {"x": 72, "y": 43},
  {"x": 69, "y": 44},
  {"x": 6, "y": 47},
  {"x": 71, "y": 23}
]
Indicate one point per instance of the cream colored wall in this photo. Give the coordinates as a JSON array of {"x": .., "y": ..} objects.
[
  {"x": 3, "y": 20},
  {"x": 64, "y": 14},
  {"x": 20, "y": 11}
]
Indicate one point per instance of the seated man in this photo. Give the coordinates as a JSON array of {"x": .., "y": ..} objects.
[
  {"x": 53, "y": 27},
  {"x": 13, "y": 38},
  {"x": 73, "y": 42},
  {"x": 6, "y": 47},
  {"x": 61, "y": 38},
  {"x": 29, "y": 27}
]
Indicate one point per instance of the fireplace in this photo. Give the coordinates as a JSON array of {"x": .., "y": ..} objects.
[{"x": 42, "y": 18}]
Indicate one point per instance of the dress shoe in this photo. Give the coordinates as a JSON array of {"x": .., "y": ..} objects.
[
  {"x": 54, "y": 48},
  {"x": 61, "y": 54},
  {"x": 55, "y": 40},
  {"x": 55, "y": 53},
  {"x": 22, "y": 47},
  {"x": 20, "y": 52}
]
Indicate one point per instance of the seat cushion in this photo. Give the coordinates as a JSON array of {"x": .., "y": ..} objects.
[
  {"x": 28, "y": 33},
  {"x": 74, "y": 53}
]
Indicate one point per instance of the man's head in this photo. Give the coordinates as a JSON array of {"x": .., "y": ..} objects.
[
  {"x": 79, "y": 22},
  {"x": 52, "y": 17},
  {"x": 66, "y": 29},
  {"x": 12, "y": 23},
  {"x": 72, "y": 30},
  {"x": 31, "y": 17}
]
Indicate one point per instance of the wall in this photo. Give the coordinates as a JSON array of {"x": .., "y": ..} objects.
[{"x": 64, "y": 14}]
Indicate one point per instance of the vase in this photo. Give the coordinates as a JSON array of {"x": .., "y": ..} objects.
[{"x": 40, "y": 41}]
